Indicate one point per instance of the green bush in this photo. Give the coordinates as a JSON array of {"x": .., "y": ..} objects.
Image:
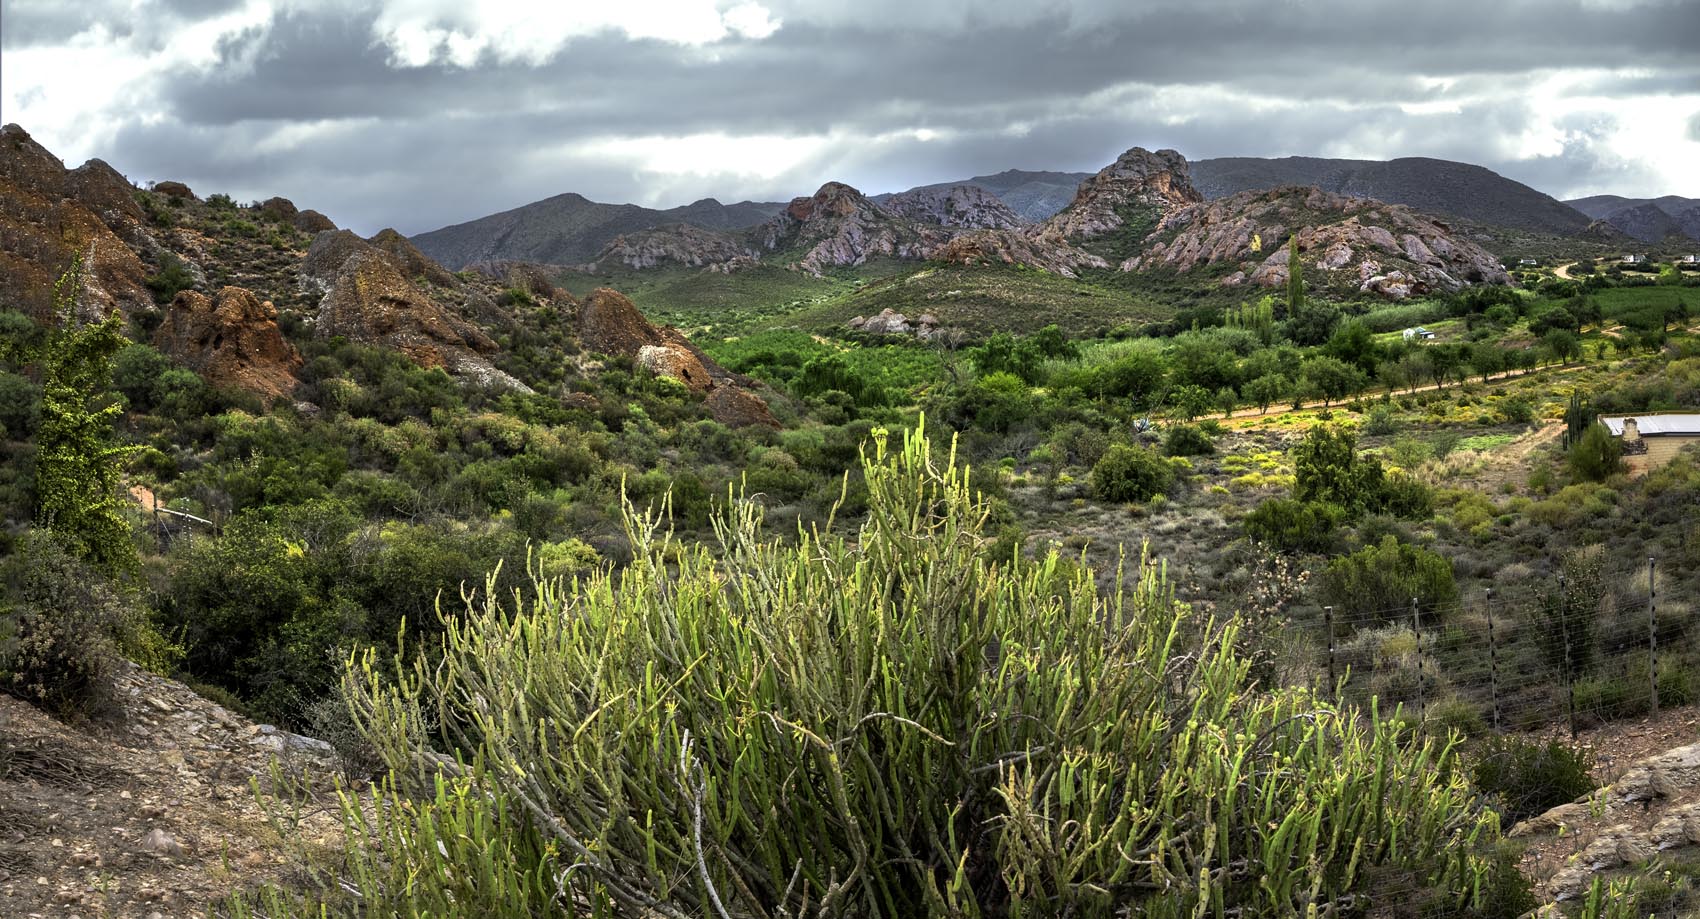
[
  {"x": 1596, "y": 456},
  {"x": 61, "y": 625},
  {"x": 1187, "y": 440},
  {"x": 1527, "y": 778},
  {"x": 886, "y": 723},
  {"x": 1383, "y": 579},
  {"x": 1127, "y": 473},
  {"x": 1295, "y": 526}
]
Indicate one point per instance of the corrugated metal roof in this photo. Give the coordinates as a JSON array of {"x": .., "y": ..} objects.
[{"x": 1653, "y": 425}]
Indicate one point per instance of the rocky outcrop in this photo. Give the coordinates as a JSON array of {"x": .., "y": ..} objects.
[
  {"x": 49, "y": 215},
  {"x": 369, "y": 297},
  {"x": 311, "y": 221},
  {"x": 1138, "y": 180},
  {"x": 232, "y": 340},
  {"x": 1005, "y": 247},
  {"x": 890, "y": 322},
  {"x": 675, "y": 245},
  {"x": 280, "y": 209},
  {"x": 838, "y": 226},
  {"x": 1350, "y": 243},
  {"x": 412, "y": 262},
  {"x": 172, "y": 189},
  {"x": 1653, "y": 809},
  {"x": 967, "y": 207},
  {"x": 610, "y": 323}
]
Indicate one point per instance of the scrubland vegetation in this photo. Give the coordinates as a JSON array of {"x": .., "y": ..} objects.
[{"x": 1174, "y": 604}]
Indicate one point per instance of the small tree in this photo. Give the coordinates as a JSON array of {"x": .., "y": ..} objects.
[
  {"x": 1597, "y": 455},
  {"x": 77, "y": 457}
]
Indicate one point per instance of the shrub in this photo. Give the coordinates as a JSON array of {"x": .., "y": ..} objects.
[
  {"x": 173, "y": 276},
  {"x": 756, "y": 730},
  {"x": 1187, "y": 440},
  {"x": 1384, "y": 578},
  {"x": 61, "y": 623},
  {"x": 1596, "y": 455},
  {"x": 1127, "y": 473},
  {"x": 1295, "y": 526},
  {"x": 1527, "y": 778}
]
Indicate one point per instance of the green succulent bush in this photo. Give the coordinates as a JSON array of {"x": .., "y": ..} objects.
[{"x": 891, "y": 723}]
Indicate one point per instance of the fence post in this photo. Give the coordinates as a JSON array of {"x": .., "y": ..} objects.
[
  {"x": 1328, "y": 623},
  {"x": 1564, "y": 627},
  {"x": 1493, "y": 661},
  {"x": 1652, "y": 635},
  {"x": 1417, "y": 633}
]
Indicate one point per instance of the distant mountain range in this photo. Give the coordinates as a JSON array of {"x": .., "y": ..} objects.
[
  {"x": 1649, "y": 220},
  {"x": 1035, "y": 196},
  {"x": 570, "y": 229},
  {"x": 1442, "y": 187}
]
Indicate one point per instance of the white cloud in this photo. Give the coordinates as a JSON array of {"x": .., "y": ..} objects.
[{"x": 421, "y": 32}]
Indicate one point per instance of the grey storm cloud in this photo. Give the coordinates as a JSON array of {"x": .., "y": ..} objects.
[{"x": 313, "y": 103}]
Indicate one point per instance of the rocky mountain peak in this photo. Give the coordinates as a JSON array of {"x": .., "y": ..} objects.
[
  {"x": 834, "y": 199},
  {"x": 49, "y": 215},
  {"x": 1139, "y": 180}
]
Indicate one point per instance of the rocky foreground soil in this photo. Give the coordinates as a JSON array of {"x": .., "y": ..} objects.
[{"x": 151, "y": 816}]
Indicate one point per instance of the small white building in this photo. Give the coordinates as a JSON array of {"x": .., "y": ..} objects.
[
  {"x": 1691, "y": 260},
  {"x": 1417, "y": 333},
  {"x": 1528, "y": 262},
  {"x": 1634, "y": 260}
]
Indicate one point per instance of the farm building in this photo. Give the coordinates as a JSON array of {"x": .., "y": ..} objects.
[{"x": 1650, "y": 440}]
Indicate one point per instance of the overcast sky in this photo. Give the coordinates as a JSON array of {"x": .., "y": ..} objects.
[{"x": 420, "y": 113}]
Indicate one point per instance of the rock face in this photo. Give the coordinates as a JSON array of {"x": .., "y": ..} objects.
[
  {"x": 1350, "y": 242},
  {"x": 839, "y": 226},
  {"x": 1653, "y": 809},
  {"x": 674, "y": 245},
  {"x": 412, "y": 262},
  {"x": 1005, "y": 247},
  {"x": 1137, "y": 180},
  {"x": 368, "y": 297},
  {"x": 967, "y": 207},
  {"x": 610, "y": 323},
  {"x": 231, "y": 339},
  {"x": 49, "y": 214}
]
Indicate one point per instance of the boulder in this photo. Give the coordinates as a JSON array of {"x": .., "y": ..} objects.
[
  {"x": 281, "y": 209},
  {"x": 174, "y": 190},
  {"x": 738, "y": 408},
  {"x": 231, "y": 339},
  {"x": 311, "y": 221},
  {"x": 677, "y": 362}
]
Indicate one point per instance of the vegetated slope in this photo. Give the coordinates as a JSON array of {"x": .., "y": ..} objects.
[
  {"x": 1444, "y": 187},
  {"x": 569, "y": 229},
  {"x": 1649, "y": 220},
  {"x": 214, "y": 286}
]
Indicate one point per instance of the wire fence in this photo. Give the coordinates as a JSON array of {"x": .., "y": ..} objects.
[{"x": 1558, "y": 652}]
